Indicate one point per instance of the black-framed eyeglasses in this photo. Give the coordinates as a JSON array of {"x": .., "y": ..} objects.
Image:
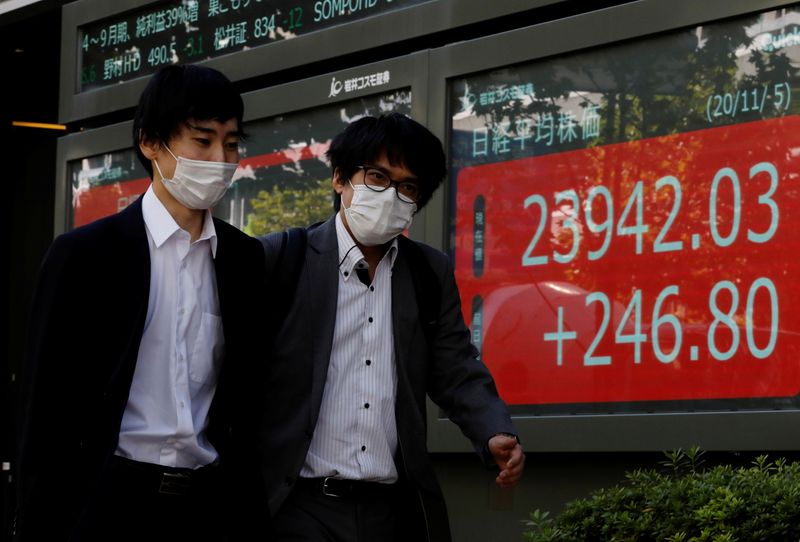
[{"x": 378, "y": 180}]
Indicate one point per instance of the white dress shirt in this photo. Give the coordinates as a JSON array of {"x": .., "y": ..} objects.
[
  {"x": 180, "y": 350},
  {"x": 356, "y": 434}
]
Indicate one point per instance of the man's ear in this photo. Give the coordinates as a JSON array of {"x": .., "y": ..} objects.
[
  {"x": 149, "y": 147},
  {"x": 337, "y": 181}
]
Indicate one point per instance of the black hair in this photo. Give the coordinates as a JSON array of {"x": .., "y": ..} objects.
[
  {"x": 178, "y": 93},
  {"x": 405, "y": 142}
]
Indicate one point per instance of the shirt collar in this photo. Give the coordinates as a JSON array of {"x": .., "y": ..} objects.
[
  {"x": 350, "y": 256},
  {"x": 162, "y": 226},
  {"x": 209, "y": 232}
]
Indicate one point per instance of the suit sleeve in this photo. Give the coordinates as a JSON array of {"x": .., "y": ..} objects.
[
  {"x": 458, "y": 381},
  {"x": 238, "y": 397},
  {"x": 48, "y": 442}
]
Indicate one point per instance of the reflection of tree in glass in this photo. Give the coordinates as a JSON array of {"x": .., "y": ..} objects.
[
  {"x": 649, "y": 91},
  {"x": 282, "y": 208}
]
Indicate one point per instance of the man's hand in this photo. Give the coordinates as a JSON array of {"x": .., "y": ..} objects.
[{"x": 508, "y": 454}]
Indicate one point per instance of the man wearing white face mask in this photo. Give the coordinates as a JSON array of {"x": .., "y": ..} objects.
[
  {"x": 143, "y": 324},
  {"x": 375, "y": 324}
]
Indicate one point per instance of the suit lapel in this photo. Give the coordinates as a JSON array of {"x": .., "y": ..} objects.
[
  {"x": 404, "y": 310},
  {"x": 225, "y": 278},
  {"x": 135, "y": 273},
  {"x": 319, "y": 283},
  {"x": 230, "y": 291}
]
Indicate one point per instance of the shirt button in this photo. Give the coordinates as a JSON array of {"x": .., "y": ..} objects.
[
  {"x": 366, "y": 405},
  {"x": 372, "y": 288},
  {"x": 369, "y": 362},
  {"x": 346, "y": 273},
  {"x": 370, "y": 319},
  {"x": 363, "y": 448}
]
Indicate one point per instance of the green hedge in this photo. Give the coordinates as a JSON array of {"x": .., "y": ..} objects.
[{"x": 684, "y": 503}]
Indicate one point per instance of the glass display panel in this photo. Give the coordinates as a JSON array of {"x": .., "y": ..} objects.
[
  {"x": 623, "y": 221},
  {"x": 104, "y": 184},
  {"x": 284, "y": 179},
  {"x": 138, "y": 43}
]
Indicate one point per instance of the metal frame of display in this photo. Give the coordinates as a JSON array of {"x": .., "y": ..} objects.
[{"x": 719, "y": 430}]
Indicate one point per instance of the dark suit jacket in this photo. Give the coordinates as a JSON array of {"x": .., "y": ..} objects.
[
  {"x": 87, "y": 321},
  {"x": 452, "y": 375}
]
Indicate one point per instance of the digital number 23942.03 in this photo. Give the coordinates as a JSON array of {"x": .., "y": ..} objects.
[{"x": 631, "y": 221}]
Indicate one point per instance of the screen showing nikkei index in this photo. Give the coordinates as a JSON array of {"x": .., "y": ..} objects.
[{"x": 625, "y": 221}]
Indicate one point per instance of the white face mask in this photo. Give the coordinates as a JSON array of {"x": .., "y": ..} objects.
[
  {"x": 376, "y": 218},
  {"x": 198, "y": 184}
]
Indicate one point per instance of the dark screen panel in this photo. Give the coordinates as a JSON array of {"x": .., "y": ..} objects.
[
  {"x": 284, "y": 178},
  {"x": 104, "y": 184},
  {"x": 127, "y": 46},
  {"x": 627, "y": 214}
]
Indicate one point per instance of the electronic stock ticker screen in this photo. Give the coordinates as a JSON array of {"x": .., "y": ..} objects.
[
  {"x": 626, "y": 219},
  {"x": 138, "y": 43}
]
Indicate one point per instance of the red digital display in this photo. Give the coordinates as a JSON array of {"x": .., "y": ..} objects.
[
  {"x": 100, "y": 201},
  {"x": 660, "y": 269},
  {"x": 104, "y": 184}
]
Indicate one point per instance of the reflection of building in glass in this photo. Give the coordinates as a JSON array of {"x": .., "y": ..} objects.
[{"x": 713, "y": 75}]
